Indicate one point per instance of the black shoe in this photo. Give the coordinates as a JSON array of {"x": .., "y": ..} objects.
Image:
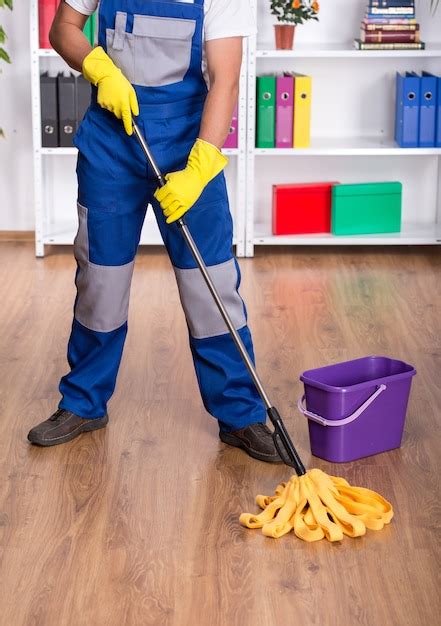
[
  {"x": 63, "y": 426},
  {"x": 256, "y": 440}
]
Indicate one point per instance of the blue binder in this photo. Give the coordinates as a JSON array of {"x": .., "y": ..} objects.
[
  {"x": 438, "y": 114},
  {"x": 407, "y": 115},
  {"x": 428, "y": 106}
]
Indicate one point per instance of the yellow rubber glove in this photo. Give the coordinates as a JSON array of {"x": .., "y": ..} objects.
[
  {"x": 115, "y": 93},
  {"x": 184, "y": 187}
]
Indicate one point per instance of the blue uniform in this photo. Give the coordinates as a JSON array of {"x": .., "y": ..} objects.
[{"x": 158, "y": 46}]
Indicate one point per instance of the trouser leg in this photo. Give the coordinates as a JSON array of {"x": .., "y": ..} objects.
[
  {"x": 105, "y": 248},
  {"x": 226, "y": 387}
]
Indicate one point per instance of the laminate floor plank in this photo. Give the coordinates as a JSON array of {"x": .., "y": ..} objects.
[{"x": 137, "y": 524}]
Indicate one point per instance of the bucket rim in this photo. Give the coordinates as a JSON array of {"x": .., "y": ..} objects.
[{"x": 308, "y": 380}]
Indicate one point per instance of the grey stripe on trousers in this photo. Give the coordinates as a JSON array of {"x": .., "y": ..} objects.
[
  {"x": 103, "y": 290},
  {"x": 203, "y": 317}
]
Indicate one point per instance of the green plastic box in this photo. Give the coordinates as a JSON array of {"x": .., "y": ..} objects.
[{"x": 366, "y": 208}]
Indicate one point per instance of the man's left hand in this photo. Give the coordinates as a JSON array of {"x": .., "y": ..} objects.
[{"x": 184, "y": 187}]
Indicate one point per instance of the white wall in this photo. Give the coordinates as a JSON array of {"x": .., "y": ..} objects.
[{"x": 16, "y": 198}]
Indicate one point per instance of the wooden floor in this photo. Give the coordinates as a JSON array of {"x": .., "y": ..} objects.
[{"x": 138, "y": 524}]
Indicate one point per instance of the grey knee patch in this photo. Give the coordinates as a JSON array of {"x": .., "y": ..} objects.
[
  {"x": 102, "y": 303},
  {"x": 203, "y": 317}
]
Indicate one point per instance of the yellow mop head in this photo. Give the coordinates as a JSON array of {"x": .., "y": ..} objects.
[{"x": 317, "y": 505}]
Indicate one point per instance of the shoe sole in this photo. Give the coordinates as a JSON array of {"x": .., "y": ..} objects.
[
  {"x": 234, "y": 441},
  {"x": 85, "y": 428}
]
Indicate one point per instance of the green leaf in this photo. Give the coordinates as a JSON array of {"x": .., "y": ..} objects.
[
  {"x": 2, "y": 134},
  {"x": 4, "y": 55},
  {"x": 284, "y": 12},
  {"x": 2, "y": 35}
]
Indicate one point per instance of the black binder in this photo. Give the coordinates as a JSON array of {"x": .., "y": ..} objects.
[
  {"x": 49, "y": 111},
  {"x": 67, "y": 117},
  {"x": 83, "y": 97}
]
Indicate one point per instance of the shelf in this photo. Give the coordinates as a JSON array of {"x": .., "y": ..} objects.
[
  {"x": 47, "y": 52},
  {"x": 64, "y": 233},
  {"x": 337, "y": 50},
  {"x": 344, "y": 50},
  {"x": 61, "y": 234},
  {"x": 59, "y": 151},
  {"x": 74, "y": 151},
  {"x": 349, "y": 146},
  {"x": 411, "y": 234}
]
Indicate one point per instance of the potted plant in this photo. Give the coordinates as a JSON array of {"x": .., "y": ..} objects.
[
  {"x": 289, "y": 13},
  {"x": 4, "y": 56}
]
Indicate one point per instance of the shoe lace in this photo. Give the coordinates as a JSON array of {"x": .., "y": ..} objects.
[
  {"x": 58, "y": 413},
  {"x": 264, "y": 428}
]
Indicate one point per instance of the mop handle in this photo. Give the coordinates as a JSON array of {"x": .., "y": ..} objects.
[{"x": 280, "y": 430}]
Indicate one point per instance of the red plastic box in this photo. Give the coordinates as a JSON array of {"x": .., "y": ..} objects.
[{"x": 302, "y": 208}]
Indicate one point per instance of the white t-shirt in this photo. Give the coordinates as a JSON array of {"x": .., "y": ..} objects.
[{"x": 223, "y": 18}]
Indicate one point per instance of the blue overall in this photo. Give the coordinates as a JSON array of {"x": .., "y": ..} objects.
[{"x": 158, "y": 46}]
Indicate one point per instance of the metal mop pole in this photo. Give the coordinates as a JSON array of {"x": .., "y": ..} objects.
[{"x": 280, "y": 433}]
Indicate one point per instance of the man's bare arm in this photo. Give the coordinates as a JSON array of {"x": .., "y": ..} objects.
[
  {"x": 224, "y": 58},
  {"x": 67, "y": 38}
]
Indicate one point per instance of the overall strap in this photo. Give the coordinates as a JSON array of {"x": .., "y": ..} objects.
[
  {"x": 120, "y": 31},
  {"x": 112, "y": 6}
]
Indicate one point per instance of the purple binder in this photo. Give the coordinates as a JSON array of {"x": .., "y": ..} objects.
[
  {"x": 232, "y": 139},
  {"x": 284, "y": 111}
]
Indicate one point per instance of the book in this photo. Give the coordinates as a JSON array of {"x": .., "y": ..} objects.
[
  {"x": 390, "y": 37},
  {"x": 360, "y": 45},
  {"x": 368, "y": 26},
  {"x": 391, "y": 3},
  {"x": 46, "y": 13},
  {"x": 391, "y": 11},
  {"x": 49, "y": 110},
  {"x": 302, "y": 109},
  {"x": 89, "y": 29},
  {"x": 407, "y": 109},
  {"x": 265, "y": 111},
  {"x": 67, "y": 117},
  {"x": 380, "y": 20}
]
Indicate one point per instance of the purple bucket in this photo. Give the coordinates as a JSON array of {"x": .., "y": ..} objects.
[{"x": 357, "y": 408}]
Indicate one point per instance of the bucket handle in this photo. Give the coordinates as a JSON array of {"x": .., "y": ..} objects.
[{"x": 347, "y": 420}]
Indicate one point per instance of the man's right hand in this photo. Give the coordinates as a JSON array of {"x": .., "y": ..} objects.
[{"x": 115, "y": 92}]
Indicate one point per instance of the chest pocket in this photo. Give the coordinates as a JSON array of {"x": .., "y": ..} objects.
[{"x": 156, "y": 53}]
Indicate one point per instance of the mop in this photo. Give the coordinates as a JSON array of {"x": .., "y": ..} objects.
[{"x": 312, "y": 503}]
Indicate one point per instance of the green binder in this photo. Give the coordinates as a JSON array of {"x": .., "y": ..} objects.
[
  {"x": 89, "y": 29},
  {"x": 366, "y": 208},
  {"x": 266, "y": 111}
]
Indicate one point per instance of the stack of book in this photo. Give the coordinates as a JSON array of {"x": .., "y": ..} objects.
[{"x": 390, "y": 25}]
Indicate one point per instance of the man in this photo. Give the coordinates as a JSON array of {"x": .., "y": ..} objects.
[{"x": 154, "y": 61}]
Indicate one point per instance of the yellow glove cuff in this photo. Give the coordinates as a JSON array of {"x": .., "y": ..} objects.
[
  {"x": 207, "y": 160},
  {"x": 98, "y": 65}
]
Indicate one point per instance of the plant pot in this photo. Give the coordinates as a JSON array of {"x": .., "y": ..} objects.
[{"x": 284, "y": 34}]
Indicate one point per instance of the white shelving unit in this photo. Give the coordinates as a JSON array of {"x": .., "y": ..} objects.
[
  {"x": 352, "y": 134},
  {"x": 352, "y": 124},
  {"x": 54, "y": 168}
]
